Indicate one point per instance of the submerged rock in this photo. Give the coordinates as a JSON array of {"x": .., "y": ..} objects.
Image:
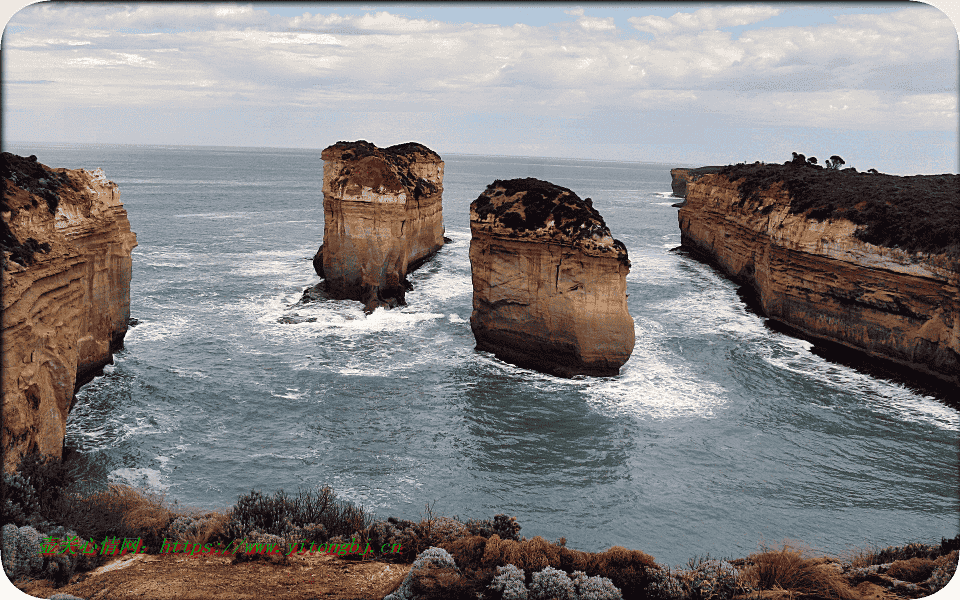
[
  {"x": 549, "y": 280},
  {"x": 66, "y": 245},
  {"x": 382, "y": 219}
]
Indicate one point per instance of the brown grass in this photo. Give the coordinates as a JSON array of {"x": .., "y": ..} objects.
[
  {"x": 914, "y": 570},
  {"x": 122, "y": 511},
  {"x": 788, "y": 569},
  {"x": 211, "y": 527}
]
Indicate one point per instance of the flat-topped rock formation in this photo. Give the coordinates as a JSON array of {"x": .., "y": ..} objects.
[
  {"x": 382, "y": 218},
  {"x": 867, "y": 262},
  {"x": 66, "y": 245},
  {"x": 549, "y": 281}
]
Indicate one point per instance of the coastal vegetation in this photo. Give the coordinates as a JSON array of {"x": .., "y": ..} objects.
[
  {"x": 919, "y": 213},
  {"x": 486, "y": 558}
]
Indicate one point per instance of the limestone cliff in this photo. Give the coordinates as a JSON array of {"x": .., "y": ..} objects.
[
  {"x": 681, "y": 177},
  {"x": 66, "y": 245},
  {"x": 817, "y": 276},
  {"x": 549, "y": 280},
  {"x": 382, "y": 218}
]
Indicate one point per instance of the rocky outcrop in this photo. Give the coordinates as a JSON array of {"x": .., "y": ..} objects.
[
  {"x": 549, "y": 281},
  {"x": 818, "y": 278},
  {"x": 382, "y": 218},
  {"x": 681, "y": 177},
  {"x": 66, "y": 245}
]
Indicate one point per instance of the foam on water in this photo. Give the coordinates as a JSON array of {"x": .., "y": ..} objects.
[{"x": 653, "y": 385}]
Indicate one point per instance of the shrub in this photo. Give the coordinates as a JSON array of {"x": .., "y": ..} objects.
[
  {"x": 551, "y": 584},
  {"x": 430, "y": 560},
  {"x": 502, "y": 525},
  {"x": 704, "y": 579},
  {"x": 413, "y": 538},
  {"x": 508, "y": 584},
  {"x": 594, "y": 588},
  {"x": 201, "y": 529},
  {"x": 307, "y": 517},
  {"x": 630, "y": 570},
  {"x": 257, "y": 545},
  {"x": 36, "y": 492},
  {"x": 946, "y": 568},
  {"x": 21, "y": 552}
]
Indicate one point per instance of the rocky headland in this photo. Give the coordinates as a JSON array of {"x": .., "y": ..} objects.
[
  {"x": 549, "y": 280},
  {"x": 679, "y": 178},
  {"x": 856, "y": 261},
  {"x": 382, "y": 219},
  {"x": 66, "y": 245}
]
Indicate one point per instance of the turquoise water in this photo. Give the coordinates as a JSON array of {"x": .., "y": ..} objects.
[{"x": 719, "y": 433}]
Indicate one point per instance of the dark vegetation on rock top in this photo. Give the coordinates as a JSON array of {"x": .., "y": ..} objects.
[
  {"x": 919, "y": 213},
  {"x": 541, "y": 202},
  {"x": 399, "y": 156},
  {"x": 30, "y": 176}
]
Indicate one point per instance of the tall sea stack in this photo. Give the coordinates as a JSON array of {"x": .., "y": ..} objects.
[
  {"x": 66, "y": 245},
  {"x": 382, "y": 218},
  {"x": 549, "y": 281}
]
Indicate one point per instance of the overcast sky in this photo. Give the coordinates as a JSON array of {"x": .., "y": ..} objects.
[{"x": 677, "y": 83}]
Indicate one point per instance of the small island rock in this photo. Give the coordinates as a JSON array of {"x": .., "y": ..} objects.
[{"x": 549, "y": 281}]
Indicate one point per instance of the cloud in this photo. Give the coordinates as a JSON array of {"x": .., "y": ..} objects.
[
  {"x": 704, "y": 19},
  {"x": 214, "y": 55}
]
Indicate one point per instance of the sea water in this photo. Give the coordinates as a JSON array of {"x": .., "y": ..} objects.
[{"x": 718, "y": 435}]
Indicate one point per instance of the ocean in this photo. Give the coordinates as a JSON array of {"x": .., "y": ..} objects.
[{"x": 719, "y": 435}]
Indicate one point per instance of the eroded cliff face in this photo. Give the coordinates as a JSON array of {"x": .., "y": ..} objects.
[
  {"x": 821, "y": 280},
  {"x": 681, "y": 177},
  {"x": 66, "y": 247},
  {"x": 382, "y": 218},
  {"x": 549, "y": 281}
]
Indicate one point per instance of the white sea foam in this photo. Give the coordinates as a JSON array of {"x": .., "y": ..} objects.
[
  {"x": 172, "y": 326},
  {"x": 652, "y": 385},
  {"x": 139, "y": 477}
]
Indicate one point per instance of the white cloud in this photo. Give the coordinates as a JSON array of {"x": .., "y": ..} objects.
[
  {"x": 704, "y": 19},
  {"x": 216, "y": 55},
  {"x": 596, "y": 23}
]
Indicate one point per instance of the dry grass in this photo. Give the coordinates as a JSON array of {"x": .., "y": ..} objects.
[
  {"x": 789, "y": 569},
  {"x": 914, "y": 570},
  {"x": 122, "y": 511},
  {"x": 209, "y": 527}
]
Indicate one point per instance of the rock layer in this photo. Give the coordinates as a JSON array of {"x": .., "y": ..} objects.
[
  {"x": 66, "y": 245},
  {"x": 549, "y": 281},
  {"x": 818, "y": 278},
  {"x": 382, "y": 218}
]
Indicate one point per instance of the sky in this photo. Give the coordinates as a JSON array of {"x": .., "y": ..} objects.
[{"x": 678, "y": 83}]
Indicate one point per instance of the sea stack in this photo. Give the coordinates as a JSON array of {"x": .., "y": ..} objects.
[
  {"x": 66, "y": 245},
  {"x": 549, "y": 281},
  {"x": 382, "y": 219}
]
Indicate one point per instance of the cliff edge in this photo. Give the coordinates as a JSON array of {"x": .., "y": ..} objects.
[
  {"x": 549, "y": 280},
  {"x": 383, "y": 217},
  {"x": 867, "y": 261},
  {"x": 66, "y": 245}
]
